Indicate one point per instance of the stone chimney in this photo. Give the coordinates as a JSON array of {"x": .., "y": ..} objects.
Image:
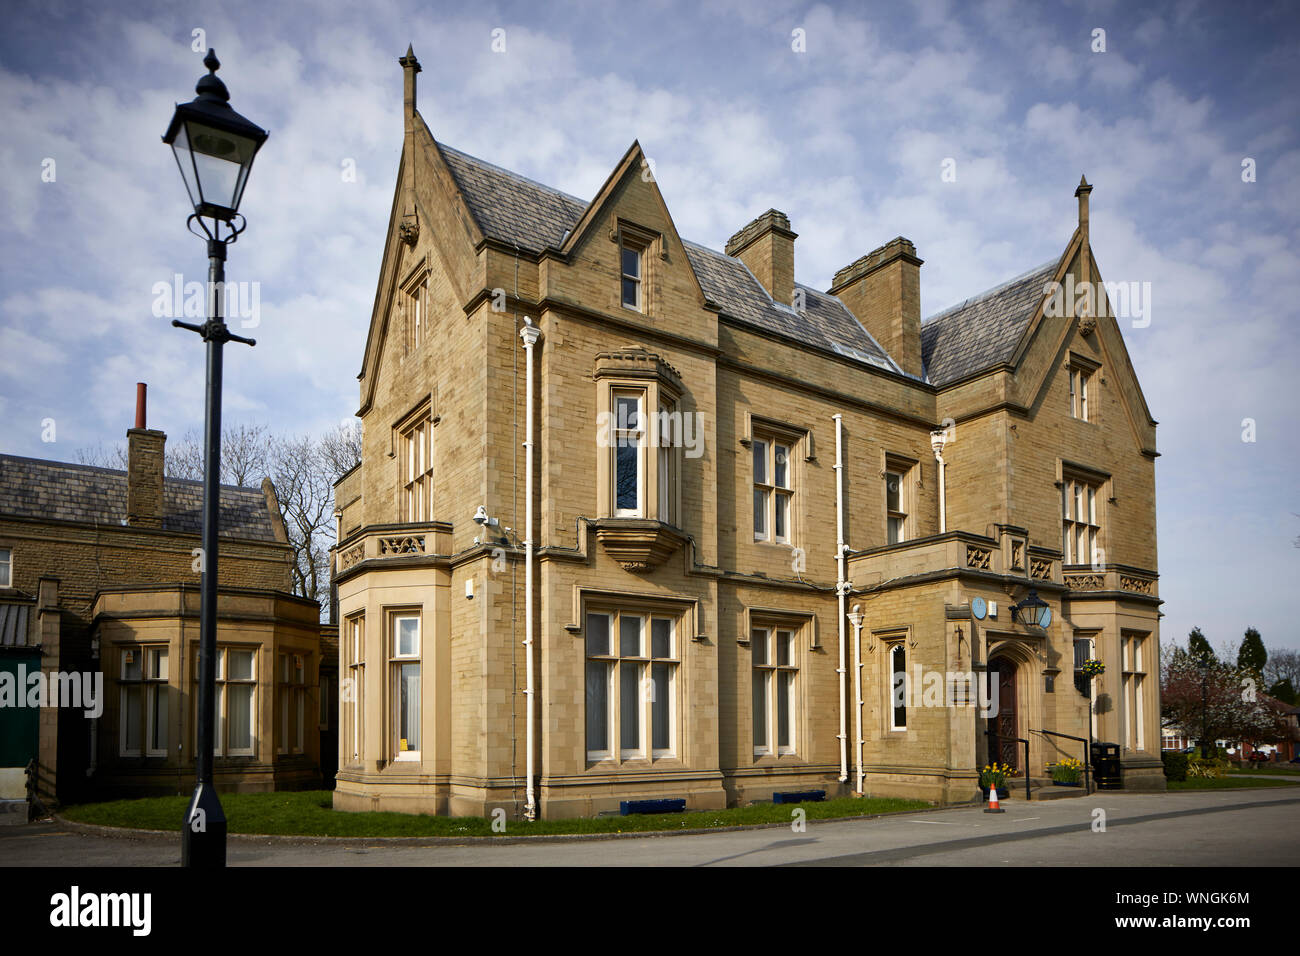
[
  {"x": 144, "y": 469},
  {"x": 883, "y": 290},
  {"x": 766, "y": 246}
]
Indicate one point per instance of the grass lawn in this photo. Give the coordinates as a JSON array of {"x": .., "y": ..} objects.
[
  {"x": 1229, "y": 782},
  {"x": 1284, "y": 770},
  {"x": 309, "y": 813}
]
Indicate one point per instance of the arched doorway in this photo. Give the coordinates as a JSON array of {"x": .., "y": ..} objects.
[{"x": 1004, "y": 726}]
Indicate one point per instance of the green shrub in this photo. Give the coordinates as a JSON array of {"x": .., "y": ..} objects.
[{"x": 1175, "y": 765}]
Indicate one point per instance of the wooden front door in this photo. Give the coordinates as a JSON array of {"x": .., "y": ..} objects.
[{"x": 1003, "y": 747}]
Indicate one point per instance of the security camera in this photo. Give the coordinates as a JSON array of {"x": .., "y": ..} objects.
[{"x": 481, "y": 517}]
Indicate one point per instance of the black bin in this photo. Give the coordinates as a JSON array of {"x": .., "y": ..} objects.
[{"x": 1105, "y": 766}]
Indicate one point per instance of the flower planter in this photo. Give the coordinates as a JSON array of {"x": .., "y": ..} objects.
[
  {"x": 1067, "y": 783},
  {"x": 1002, "y": 792}
]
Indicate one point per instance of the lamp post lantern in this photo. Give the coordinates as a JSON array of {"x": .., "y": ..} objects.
[{"x": 214, "y": 147}]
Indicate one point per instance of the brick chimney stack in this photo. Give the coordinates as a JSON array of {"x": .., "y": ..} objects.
[
  {"x": 144, "y": 469},
  {"x": 766, "y": 246},
  {"x": 883, "y": 290}
]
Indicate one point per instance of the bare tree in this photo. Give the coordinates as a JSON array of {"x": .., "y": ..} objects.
[
  {"x": 303, "y": 469},
  {"x": 1282, "y": 665},
  {"x": 114, "y": 456}
]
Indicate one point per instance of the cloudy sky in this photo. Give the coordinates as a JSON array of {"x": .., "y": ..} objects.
[{"x": 849, "y": 136}]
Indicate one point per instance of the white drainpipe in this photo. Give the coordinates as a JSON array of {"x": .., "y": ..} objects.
[
  {"x": 855, "y": 617},
  {"x": 937, "y": 440},
  {"x": 841, "y": 586},
  {"x": 530, "y": 334}
]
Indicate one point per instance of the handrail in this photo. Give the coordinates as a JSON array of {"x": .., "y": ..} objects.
[
  {"x": 1087, "y": 755},
  {"x": 990, "y": 733}
]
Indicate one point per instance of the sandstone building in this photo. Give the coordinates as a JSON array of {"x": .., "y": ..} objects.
[
  {"x": 705, "y": 432},
  {"x": 98, "y": 576}
]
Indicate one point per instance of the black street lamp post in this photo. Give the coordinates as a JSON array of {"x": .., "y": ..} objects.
[{"x": 214, "y": 148}]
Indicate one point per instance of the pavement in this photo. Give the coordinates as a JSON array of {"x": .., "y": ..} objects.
[{"x": 1110, "y": 828}]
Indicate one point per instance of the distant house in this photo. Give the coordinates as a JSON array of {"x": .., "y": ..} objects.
[{"x": 99, "y": 605}]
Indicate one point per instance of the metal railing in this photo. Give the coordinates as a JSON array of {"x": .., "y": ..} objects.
[{"x": 1087, "y": 755}]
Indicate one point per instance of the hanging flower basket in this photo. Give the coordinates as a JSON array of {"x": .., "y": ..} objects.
[{"x": 1093, "y": 668}]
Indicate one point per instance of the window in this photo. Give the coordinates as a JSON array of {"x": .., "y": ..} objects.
[
  {"x": 640, "y": 433},
  {"x": 415, "y": 301},
  {"x": 775, "y": 690},
  {"x": 293, "y": 704},
  {"x": 631, "y": 685},
  {"x": 897, "y": 686},
  {"x": 1133, "y": 689},
  {"x": 6, "y": 568},
  {"x": 667, "y": 458},
  {"x": 1080, "y": 380},
  {"x": 235, "y": 702},
  {"x": 1082, "y": 653},
  {"x": 352, "y": 694},
  {"x": 629, "y": 455},
  {"x": 896, "y": 517},
  {"x": 773, "y": 491},
  {"x": 630, "y": 259},
  {"x": 405, "y": 665},
  {"x": 417, "y": 470},
  {"x": 143, "y": 702},
  {"x": 1080, "y": 527}
]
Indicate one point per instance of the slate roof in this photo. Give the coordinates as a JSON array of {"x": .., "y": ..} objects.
[
  {"x": 61, "y": 491},
  {"x": 984, "y": 330},
  {"x": 517, "y": 210}
]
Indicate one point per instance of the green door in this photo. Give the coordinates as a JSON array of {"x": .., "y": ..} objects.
[{"x": 19, "y": 726}]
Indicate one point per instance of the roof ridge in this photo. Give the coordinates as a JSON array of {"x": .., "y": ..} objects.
[
  {"x": 119, "y": 473},
  {"x": 987, "y": 293}
]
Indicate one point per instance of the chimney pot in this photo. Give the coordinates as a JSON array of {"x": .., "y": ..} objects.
[{"x": 140, "y": 389}]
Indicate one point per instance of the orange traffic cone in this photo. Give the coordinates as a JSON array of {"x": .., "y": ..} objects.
[{"x": 993, "y": 802}]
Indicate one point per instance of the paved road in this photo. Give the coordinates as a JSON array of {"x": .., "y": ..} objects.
[{"x": 1205, "y": 828}]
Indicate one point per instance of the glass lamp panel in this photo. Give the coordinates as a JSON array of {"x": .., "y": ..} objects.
[
  {"x": 181, "y": 150},
  {"x": 220, "y": 162}
]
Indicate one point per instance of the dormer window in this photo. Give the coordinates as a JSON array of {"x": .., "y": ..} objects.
[{"x": 631, "y": 255}]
